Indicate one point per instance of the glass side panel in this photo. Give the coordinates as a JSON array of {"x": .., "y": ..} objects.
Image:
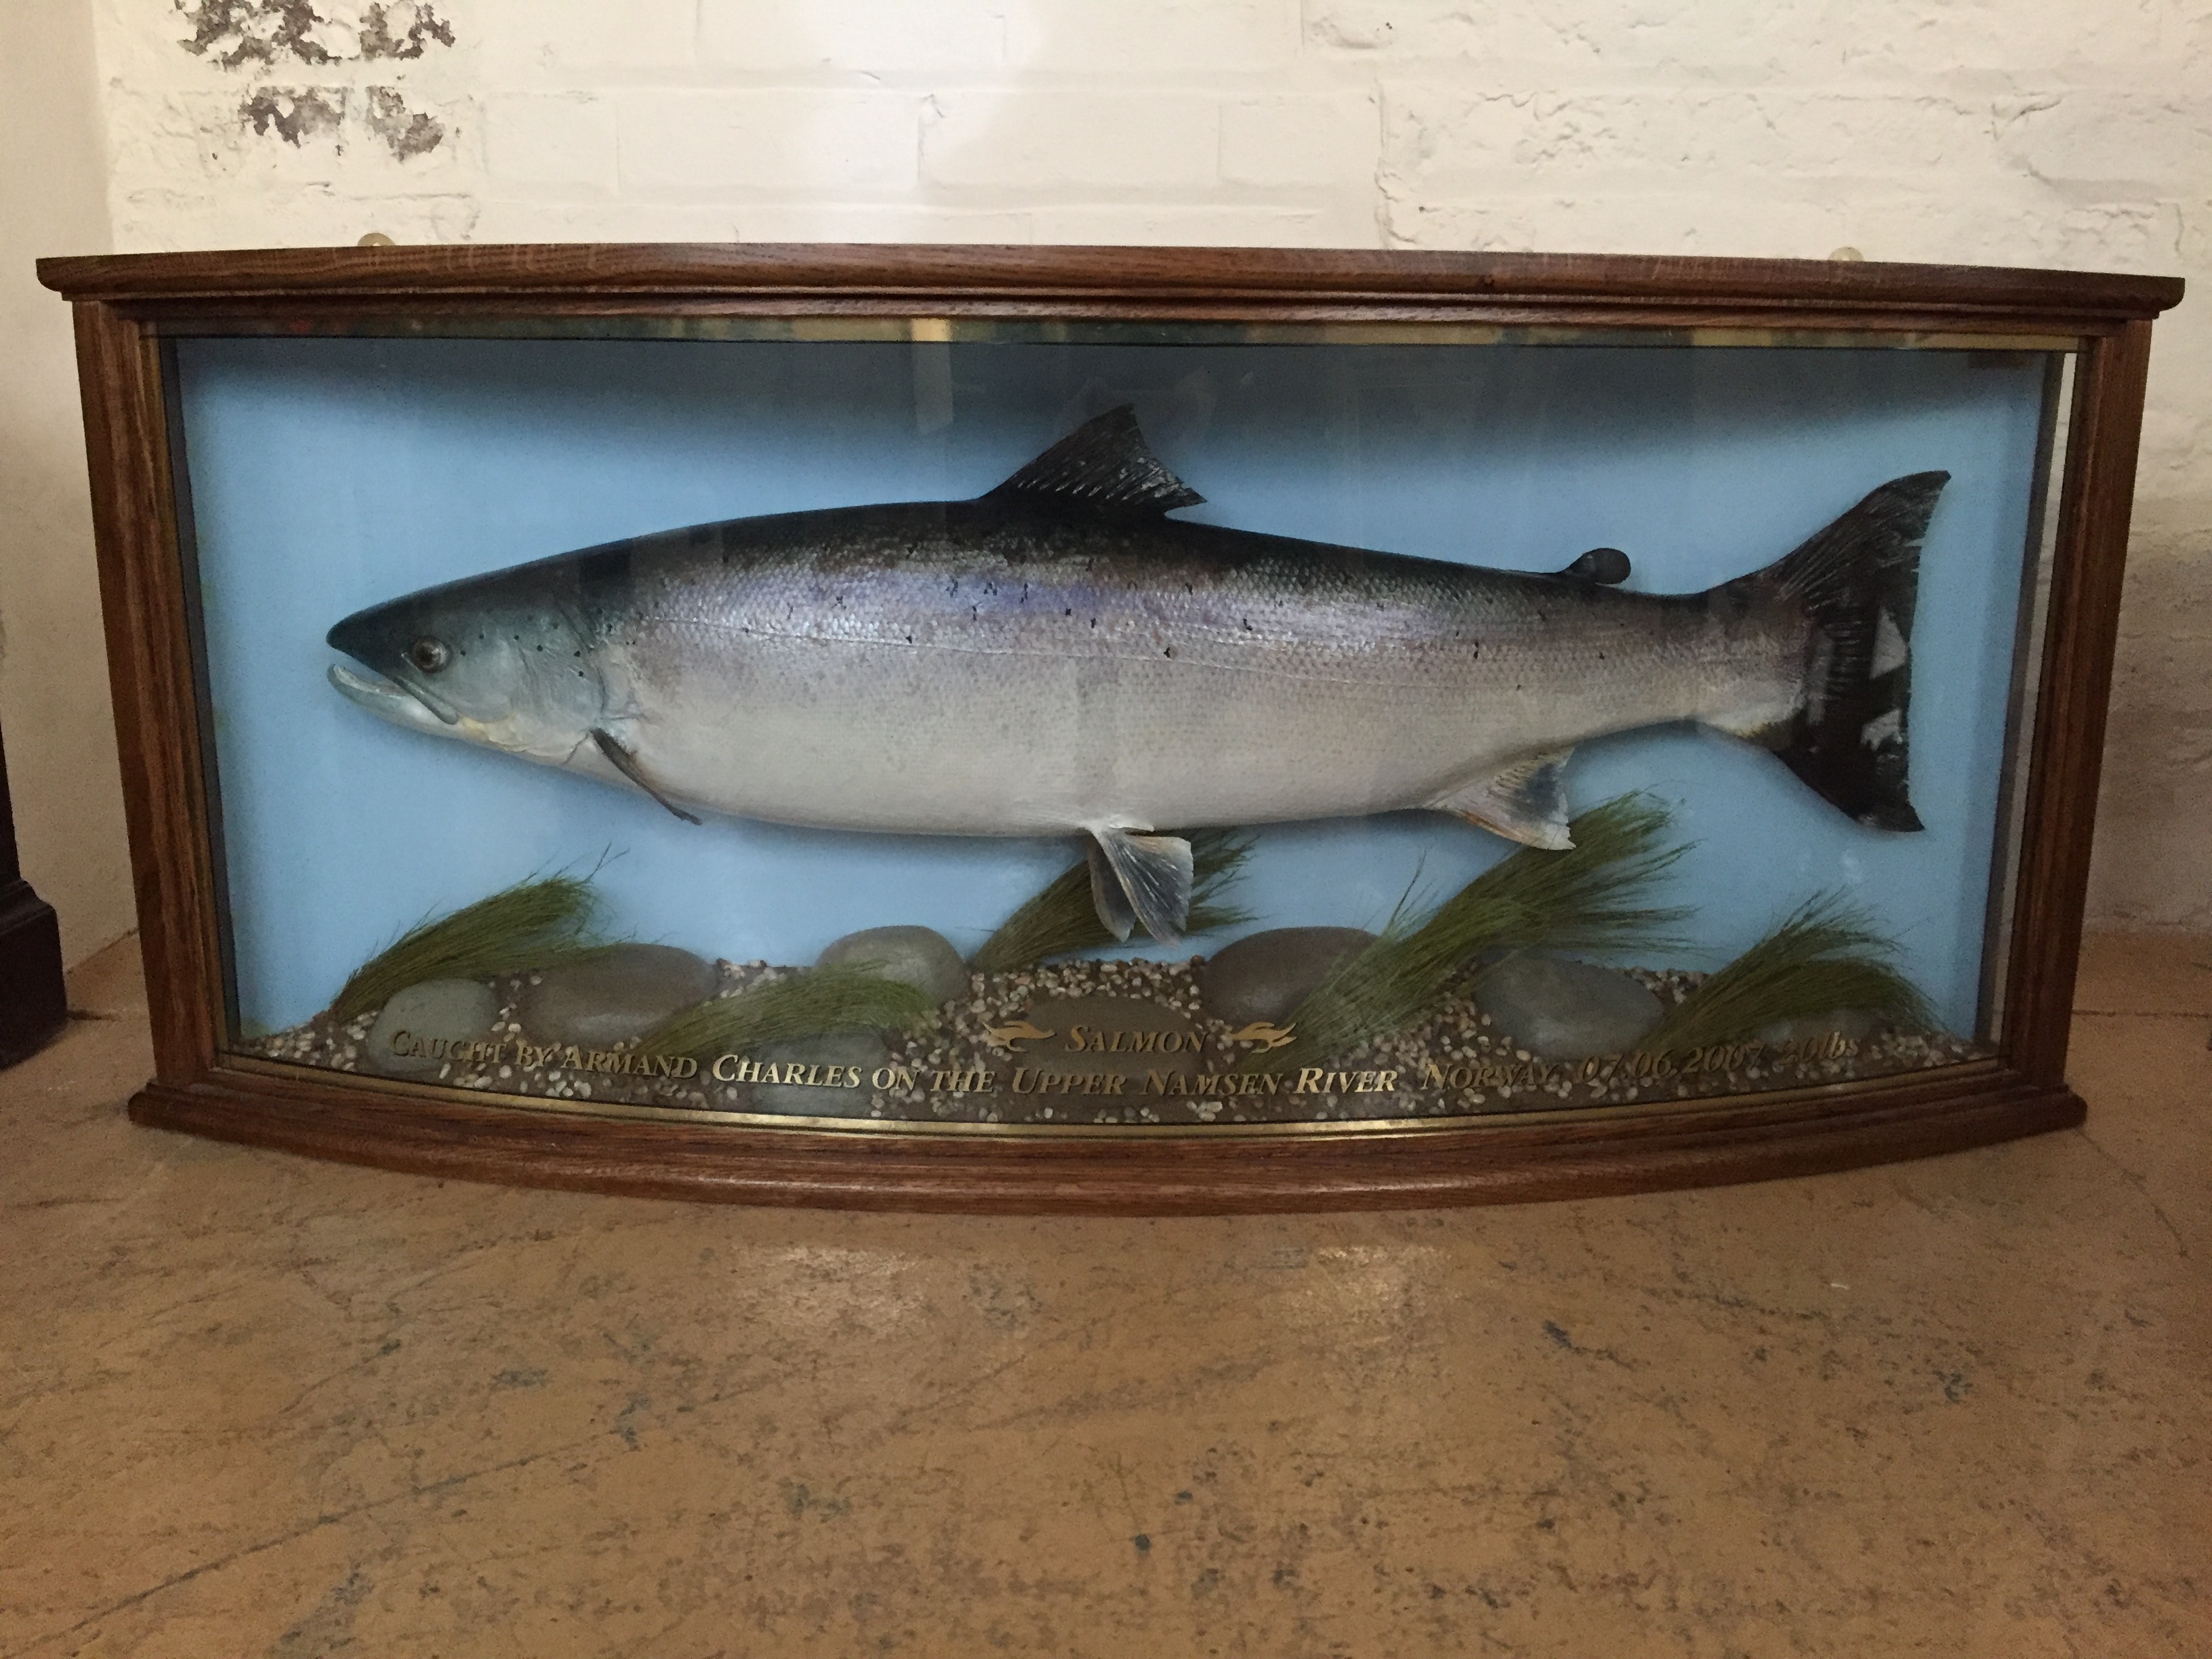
[{"x": 1302, "y": 695}]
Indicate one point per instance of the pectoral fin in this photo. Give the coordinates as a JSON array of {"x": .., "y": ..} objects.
[
  {"x": 1143, "y": 878},
  {"x": 626, "y": 763},
  {"x": 1525, "y": 801}
]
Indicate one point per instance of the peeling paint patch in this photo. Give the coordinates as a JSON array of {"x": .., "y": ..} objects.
[
  {"x": 237, "y": 33},
  {"x": 403, "y": 30},
  {"x": 263, "y": 34},
  {"x": 294, "y": 114},
  {"x": 406, "y": 132}
]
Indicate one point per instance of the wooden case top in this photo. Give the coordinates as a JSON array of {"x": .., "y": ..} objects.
[{"x": 546, "y": 276}]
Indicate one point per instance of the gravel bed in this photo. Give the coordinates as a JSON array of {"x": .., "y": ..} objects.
[{"x": 1455, "y": 1064}]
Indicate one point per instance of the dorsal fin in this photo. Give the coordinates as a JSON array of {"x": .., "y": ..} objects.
[{"x": 1104, "y": 464}]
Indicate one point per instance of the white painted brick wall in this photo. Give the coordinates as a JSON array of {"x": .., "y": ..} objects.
[{"x": 1991, "y": 131}]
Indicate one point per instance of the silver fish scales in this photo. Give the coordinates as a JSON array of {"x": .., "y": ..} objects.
[{"x": 1059, "y": 655}]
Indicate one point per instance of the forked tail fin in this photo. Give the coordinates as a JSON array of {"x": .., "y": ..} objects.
[{"x": 1857, "y": 580}]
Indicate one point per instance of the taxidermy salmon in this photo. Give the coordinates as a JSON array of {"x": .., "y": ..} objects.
[{"x": 1059, "y": 655}]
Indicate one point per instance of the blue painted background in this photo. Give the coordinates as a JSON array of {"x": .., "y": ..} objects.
[{"x": 328, "y": 475}]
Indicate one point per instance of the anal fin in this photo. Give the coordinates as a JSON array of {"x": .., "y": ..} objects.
[
  {"x": 1524, "y": 801},
  {"x": 1138, "y": 878},
  {"x": 626, "y": 763}
]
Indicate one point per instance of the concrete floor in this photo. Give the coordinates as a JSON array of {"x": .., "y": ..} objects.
[{"x": 256, "y": 1405}]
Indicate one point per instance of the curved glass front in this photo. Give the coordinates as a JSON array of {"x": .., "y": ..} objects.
[{"x": 1122, "y": 726}]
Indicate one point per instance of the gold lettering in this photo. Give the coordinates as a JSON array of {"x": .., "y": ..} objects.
[
  {"x": 1386, "y": 1083},
  {"x": 1114, "y": 1082},
  {"x": 1308, "y": 1080},
  {"x": 1148, "y": 1042}
]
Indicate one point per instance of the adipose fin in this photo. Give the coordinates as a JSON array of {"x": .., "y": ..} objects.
[{"x": 1608, "y": 566}]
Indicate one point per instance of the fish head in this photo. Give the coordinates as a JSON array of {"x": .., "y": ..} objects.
[{"x": 496, "y": 661}]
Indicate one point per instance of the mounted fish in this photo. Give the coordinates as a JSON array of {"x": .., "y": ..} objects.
[{"x": 1059, "y": 655}]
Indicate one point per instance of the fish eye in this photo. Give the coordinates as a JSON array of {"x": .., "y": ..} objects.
[{"x": 428, "y": 655}]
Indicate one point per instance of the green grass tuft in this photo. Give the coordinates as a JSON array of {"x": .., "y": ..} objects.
[
  {"x": 1825, "y": 957},
  {"x": 813, "y": 1002},
  {"x": 533, "y": 924},
  {"x": 1062, "y": 919},
  {"x": 1589, "y": 899}
]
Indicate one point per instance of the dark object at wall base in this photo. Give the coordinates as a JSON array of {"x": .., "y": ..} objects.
[{"x": 33, "y": 1003}]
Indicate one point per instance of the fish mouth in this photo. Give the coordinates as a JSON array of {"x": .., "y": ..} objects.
[{"x": 403, "y": 705}]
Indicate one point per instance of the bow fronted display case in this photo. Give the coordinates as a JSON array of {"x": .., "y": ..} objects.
[{"x": 1107, "y": 729}]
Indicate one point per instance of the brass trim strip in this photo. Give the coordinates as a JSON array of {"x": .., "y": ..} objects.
[
  {"x": 1804, "y": 1094},
  {"x": 967, "y": 329}
]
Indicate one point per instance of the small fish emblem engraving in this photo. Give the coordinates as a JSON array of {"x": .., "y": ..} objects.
[
  {"x": 1007, "y": 1037},
  {"x": 1272, "y": 1036}
]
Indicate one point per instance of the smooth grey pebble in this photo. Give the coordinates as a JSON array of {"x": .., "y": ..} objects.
[
  {"x": 1561, "y": 1010},
  {"x": 920, "y": 957},
  {"x": 621, "y": 994},
  {"x": 456, "y": 1010},
  {"x": 1266, "y": 976}
]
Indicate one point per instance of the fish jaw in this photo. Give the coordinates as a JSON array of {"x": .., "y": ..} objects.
[
  {"x": 389, "y": 701},
  {"x": 398, "y": 705},
  {"x": 402, "y": 706}
]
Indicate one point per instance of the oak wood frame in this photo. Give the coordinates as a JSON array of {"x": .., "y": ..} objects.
[{"x": 127, "y": 304}]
